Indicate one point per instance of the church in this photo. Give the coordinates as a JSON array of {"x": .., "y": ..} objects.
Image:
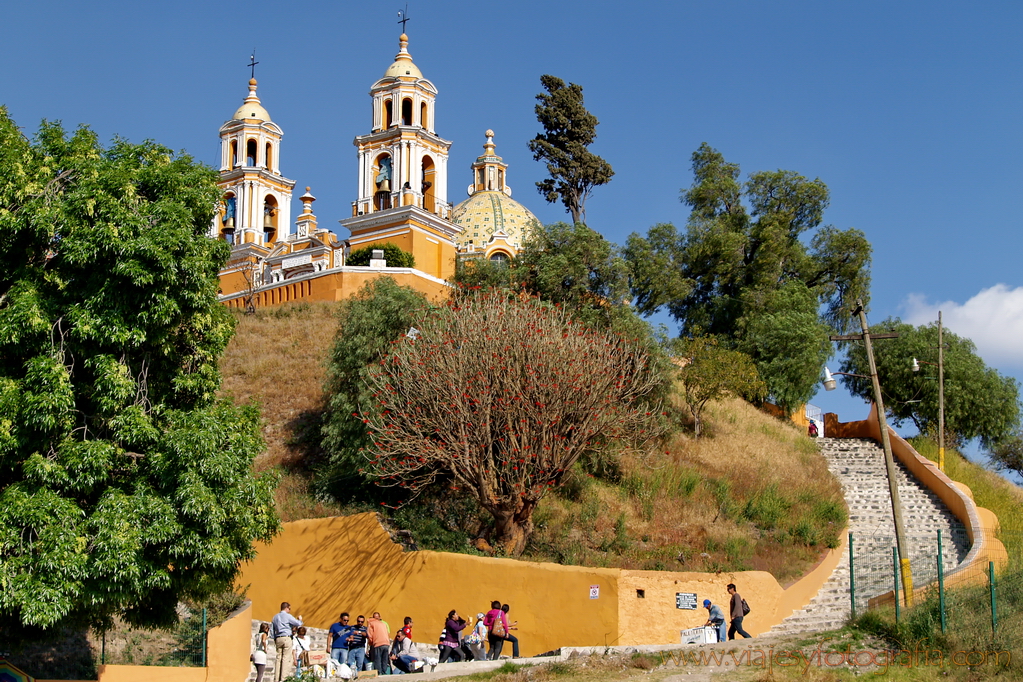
[{"x": 402, "y": 200}]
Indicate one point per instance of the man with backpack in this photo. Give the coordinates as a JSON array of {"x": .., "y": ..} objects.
[{"x": 737, "y": 610}]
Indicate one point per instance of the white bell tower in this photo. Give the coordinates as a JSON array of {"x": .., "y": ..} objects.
[{"x": 256, "y": 205}]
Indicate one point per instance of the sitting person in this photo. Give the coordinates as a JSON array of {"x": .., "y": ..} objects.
[{"x": 404, "y": 655}]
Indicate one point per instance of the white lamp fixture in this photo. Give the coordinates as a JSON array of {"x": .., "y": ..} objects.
[
  {"x": 916, "y": 365},
  {"x": 829, "y": 381}
]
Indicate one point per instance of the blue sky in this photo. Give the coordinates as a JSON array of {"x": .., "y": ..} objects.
[{"x": 909, "y": 111}]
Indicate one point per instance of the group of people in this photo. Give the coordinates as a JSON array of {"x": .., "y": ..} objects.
[
  {"x": 369, "y": 643},
  {"x": 737, "y": 610}
]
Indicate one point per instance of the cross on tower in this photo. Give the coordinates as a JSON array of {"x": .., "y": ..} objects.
[
  {"x": 403, "y": 17},
  {"x": 252, "y": 63}
]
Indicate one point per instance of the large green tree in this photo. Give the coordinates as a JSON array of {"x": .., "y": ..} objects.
[
  {"x": 125, "y": 485},
  {"x": 568, "y": 131},
  {"x": 368, "y": 324},
  {"x": 979, "y": 402},
  {"x": 753, "y": 259}
]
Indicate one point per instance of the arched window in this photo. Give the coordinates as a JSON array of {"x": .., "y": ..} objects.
[
  {"x": 424, "y": 121},
  {"x": 429, "y": 182},
  {"x": 499, "y": 257},
  {"x": 250, "y": 153},
  {"x": 406, "y": 112},
  {"x": 234, "y": 153},
  {"x": 388, "y": 113},
  {"x": 227, "y": 219},
  {"x": 271, "y": 214},
  {"x": 382, "y": 176},
  {"x": 269, "y": 157}
]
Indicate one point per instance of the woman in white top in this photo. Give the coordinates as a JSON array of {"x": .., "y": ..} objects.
[
  {"x": 259, "y": 650},
  {"x": 476, "y": 638},
  {"x": 302, "y": 645}
]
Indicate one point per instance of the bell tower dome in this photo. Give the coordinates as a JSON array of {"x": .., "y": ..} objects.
[
  {"x": 402, "y": 161},
  {"x": 256, "y": 206},
  {"x": 403, "y": 172}
]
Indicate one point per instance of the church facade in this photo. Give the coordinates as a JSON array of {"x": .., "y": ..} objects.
[{"x": 402, "y": 199}]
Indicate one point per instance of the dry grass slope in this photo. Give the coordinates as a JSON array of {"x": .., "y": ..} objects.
[{"x": 752, "y": 494}]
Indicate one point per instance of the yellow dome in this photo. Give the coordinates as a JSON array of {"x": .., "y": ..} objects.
[
  {"x": 251, "y": 108},
  {"x": 403, "y": 66},
  {"x": 487, "y": 212}
]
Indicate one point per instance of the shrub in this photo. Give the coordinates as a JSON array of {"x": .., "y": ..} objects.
[{"x": 393, "y": 254}]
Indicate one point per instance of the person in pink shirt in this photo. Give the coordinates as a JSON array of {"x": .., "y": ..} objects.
[{"x": 497, "y": 630}]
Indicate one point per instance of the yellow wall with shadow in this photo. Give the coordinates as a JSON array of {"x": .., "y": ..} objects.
[{"x": 325, "y": 566}]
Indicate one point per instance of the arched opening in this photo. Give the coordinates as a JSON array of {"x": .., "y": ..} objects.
[
  {"x": 424, "y": 121},
  {"x": 388, "y": 113},
  {"x": 234, "y": 153},
  {"x": 227, "y": 217},
  {"x": 429, "y": 181},
  {"x": 500, "y": 180},
  {"x": 499, "y": 257},
  {"x": 271, "y": 214},
  {"x": 406, "y": 112},
  {"x": 479, "y": 180},
  {"x": 269, "y": 157},
  {"x": 250, "y": 153},
  {"x": 382, "y": 172}
]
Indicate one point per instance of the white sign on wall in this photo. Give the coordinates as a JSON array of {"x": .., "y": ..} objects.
[
  {"x": 685, "y": 600},
  {"x": 594, "y": 591},
  {"x": 295, "y": 261}
]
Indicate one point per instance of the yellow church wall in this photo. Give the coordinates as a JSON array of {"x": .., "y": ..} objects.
[
  {"x": 325, "y": 566},
  {"x": 337, "y": 286}
]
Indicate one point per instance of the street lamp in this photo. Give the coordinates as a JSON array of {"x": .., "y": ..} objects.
[{"x": 940, "y": 364}]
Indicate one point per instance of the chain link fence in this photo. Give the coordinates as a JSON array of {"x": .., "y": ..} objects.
[{"x": 184, "y": 645}]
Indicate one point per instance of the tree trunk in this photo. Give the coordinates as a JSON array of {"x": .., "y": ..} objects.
[{"x": 513, "y": 528}]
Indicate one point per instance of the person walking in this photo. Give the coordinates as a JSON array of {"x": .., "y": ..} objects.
[
  {"x": 736, "y": 613},
  {"x": 715, "y": 618},
  {"x": 379, "y": 636},
  {"x": 282, "y": 625},
  {"x": 509, "y": 637},
  {"x": 357, "y": 645},
  {"x": 259, "y": 650},
  {"x": 497, "y": 628},
  {"x": 449, "y": 644},
  {"x": 337, "y": 638}
]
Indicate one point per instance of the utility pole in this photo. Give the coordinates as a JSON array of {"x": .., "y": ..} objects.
[
  {"x": 889, "y": 461},
  {"x": 941, "y": 399}
]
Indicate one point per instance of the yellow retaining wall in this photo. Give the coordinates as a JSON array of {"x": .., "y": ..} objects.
[
  {"x": 981, "y": 524},
  {"x": 227, "y": 657},
  {"x": 325, "y": 566}
]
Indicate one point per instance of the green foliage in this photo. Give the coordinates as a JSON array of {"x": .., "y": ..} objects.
[
  {"x": 369, "y": 323},
  {"x": 710, "y": 372},
  {"x": 784, "y": 335},
  {"x": 393, "y": 254},
  {"x": 735, "y": 272},
  {"x": 125, "y": 485},
  {"x": 569, "y": 130},
  {"x": 979, "y": 402}
]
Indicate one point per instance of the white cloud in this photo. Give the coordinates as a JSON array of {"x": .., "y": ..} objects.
[{"x": 993, "y": 319}]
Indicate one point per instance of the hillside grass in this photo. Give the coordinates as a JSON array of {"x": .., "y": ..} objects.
[{"x": 752, "y": 494}]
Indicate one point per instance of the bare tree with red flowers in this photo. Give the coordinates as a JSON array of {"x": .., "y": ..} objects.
[{"x": 499, "y": 396}]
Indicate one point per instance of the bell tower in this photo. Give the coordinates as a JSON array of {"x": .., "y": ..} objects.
[
  {"x": 403, "y": 171},
  {"x": 256, "y": 205}
]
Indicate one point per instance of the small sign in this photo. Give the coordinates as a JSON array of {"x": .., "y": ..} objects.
[
  {"x": 685, "y": 600},
  {"x": 594, "y": 591},
  {"x": 296, "y": 261}
]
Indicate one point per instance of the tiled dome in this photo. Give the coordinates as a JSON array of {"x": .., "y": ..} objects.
[{"x": 485, "y": 213}]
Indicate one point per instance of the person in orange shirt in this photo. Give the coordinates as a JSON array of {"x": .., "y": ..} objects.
[{"x": 379, "y": 644}]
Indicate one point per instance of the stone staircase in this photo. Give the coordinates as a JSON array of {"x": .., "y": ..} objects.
[
  {"x": 317, "y": 642},
  {"x": 859, "y": 466}
]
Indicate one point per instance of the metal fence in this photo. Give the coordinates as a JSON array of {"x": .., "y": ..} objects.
[
  {"x": 954, "y": 590},
  {"x": 184, "y": 645}
]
